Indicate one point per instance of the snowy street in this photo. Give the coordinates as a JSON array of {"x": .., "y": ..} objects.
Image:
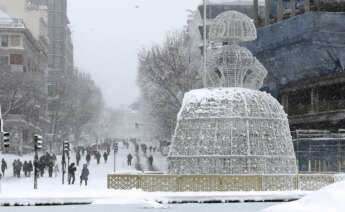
[
  {"x": 50, "y": 190},
  {"x": 14, "y": 189}
]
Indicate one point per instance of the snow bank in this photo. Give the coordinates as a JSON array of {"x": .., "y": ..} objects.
[{"x": 328, "y": 199}]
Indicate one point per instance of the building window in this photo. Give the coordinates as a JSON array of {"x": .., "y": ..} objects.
[
  {"x": 52, "y": 90},
  {"x": 16, "y": 59},
  {"x": 52, "y": 106},
  {"x": 3, "y": 60},
  {"x": 15, "y": 40},
  {"x": 4, "y": 40}
]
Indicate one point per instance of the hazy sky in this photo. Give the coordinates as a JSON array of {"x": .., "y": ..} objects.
[{"x": 107, "y": 35}]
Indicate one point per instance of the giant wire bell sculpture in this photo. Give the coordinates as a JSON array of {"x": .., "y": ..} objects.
[{"x": 232, "y": 128}]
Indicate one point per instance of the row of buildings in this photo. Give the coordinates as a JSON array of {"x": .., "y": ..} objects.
[
  {"x": 36, "y": 54},
  {"x": 302, "y": 45}
]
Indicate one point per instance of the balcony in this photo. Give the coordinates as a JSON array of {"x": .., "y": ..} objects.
[
  {"x": 331, "y": 111},
  {"x": 333, "y": 105}
]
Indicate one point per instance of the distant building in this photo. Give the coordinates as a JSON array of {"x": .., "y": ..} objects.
[
  {"x": 24, "y": 95},
  {"x": 60, "y": 58},
  {"x": 34, "y": 17}
]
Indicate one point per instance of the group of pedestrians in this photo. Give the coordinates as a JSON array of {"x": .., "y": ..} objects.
[
  {"x": 47, "y": 162},
  {"x": 18, "y": 167},
  {"x": 83, "y": 177},
  {"x": 97, "y": 155}
]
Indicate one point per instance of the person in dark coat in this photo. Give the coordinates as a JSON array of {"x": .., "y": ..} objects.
[
  {"x": 41, "y": 164},
  {"x": 50, "y": 167},
  {"x": 98, "y": 157},
  {"x": 3, "y": 167},
  {"x": 84, "y": 175},
  {"x": 105, "y": 157},
  {"x": 77, "y": 157},
  {"x": 14, "y": 166},
  {"x": 150, "y": 159},
  {"x": 19, "y": 168},
  {"x": 25, "y": 168},
  {"x": 129, "y": 159},
  {"x": 88, "y": 158},
  {"x": 30, "y": 168},
  {"x": 71, "y": 173}
]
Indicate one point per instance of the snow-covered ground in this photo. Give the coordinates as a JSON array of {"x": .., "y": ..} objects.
[
  {"x": 22, "y": 188},
  {"x": 51, "y": 190},
  {"x": 328, "y": 199}
]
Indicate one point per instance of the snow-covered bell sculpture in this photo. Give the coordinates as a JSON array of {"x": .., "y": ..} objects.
[{"x": 232, "y": 128}]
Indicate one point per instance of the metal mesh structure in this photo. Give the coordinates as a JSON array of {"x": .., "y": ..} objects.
[
  {"x": 233, "y": 129},
  {"x": 228, "y": 66},
  {"x": 232, "y": 27}
]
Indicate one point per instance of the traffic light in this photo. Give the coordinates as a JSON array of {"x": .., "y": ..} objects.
[
  {"x": 38, "y": 142},
  {"x": 66, "y": 146},
  {"x": 6, "y": 139}
]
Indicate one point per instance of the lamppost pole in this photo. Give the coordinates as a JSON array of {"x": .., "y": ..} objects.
[{"x": 205, "y": 44}]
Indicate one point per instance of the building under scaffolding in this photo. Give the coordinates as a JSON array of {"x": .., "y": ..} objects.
[{"x": 319, "y": 150}]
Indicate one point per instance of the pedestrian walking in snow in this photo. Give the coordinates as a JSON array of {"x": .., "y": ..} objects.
[
  {"x": 78, "y": 157},
  {"x": 42, "y": 164},
  {"x": 84, "y": 175},
  {"x": 98, "y": 157},
  {"x": 105, "y": 157},
  {"x": 19, "y": 168},
  {"x": 14, "y": 166},
  {"x": 3, "y": 167},
  {"x": 30, "y": 168},
  {"x": 150, "y": 159},
  {"x": 25, "y": 168},
  {"x": 50, "y": 167},
  {"x": 88, "y": 158},
  {"x": 129, "y": 159},
  {"x": 71, "y": 173}
]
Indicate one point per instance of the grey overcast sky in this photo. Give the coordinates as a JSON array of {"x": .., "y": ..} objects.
[{"x": 107, "y": 35}]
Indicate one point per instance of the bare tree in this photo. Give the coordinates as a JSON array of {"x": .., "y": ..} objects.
[
  {"x": 20, "y": 91},
  {"x": 165, "y": 73}
]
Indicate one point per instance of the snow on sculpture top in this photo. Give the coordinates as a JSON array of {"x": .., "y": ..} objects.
[{"x": 232, "y": 27}]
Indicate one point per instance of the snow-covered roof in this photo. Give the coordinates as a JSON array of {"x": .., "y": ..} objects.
[{"x": 5, "y": 18}]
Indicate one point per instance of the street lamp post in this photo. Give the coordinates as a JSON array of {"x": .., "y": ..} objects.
[
  {"x": 116, "y": 149},
  {"x": 205, "y": 43},
  {"x": 63, "y": 166},
  {"x": 65, "y": 151}
]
